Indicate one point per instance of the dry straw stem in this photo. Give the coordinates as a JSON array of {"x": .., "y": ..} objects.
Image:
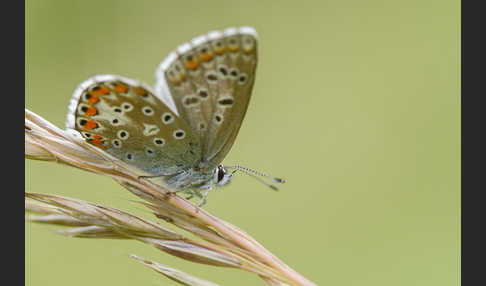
[
  {"x": 222, "y": 243},
  {"x": 174, "y": 274}
]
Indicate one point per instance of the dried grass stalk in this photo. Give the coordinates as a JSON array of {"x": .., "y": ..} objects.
[
  {"x": 174, "y": 274},
  {"x": 222, "y": 243}
]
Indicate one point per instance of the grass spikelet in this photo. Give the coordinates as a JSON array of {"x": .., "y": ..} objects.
[{"x": 174, "y": 274}]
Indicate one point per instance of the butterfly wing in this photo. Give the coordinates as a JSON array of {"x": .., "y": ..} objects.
[
  {"x": 126, "y": 119},
  {"x": 208, "y": 81}
]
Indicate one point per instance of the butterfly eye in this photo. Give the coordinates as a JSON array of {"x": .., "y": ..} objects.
[{"x": 220, "y": 174}]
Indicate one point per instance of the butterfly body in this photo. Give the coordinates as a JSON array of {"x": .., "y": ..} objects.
[{"x": 181, "y": 130}]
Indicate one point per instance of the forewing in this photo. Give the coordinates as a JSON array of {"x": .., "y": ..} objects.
[
  {"x": 126, "y": 119},
  {"x": 209, "y": 80}
]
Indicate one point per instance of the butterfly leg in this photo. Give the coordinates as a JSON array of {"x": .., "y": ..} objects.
[
  {"x": 150, "y": 176},
  {"x": 189, "y": 193},
  {"x": 203, "y": 201},
  {"x": 178, "y": 191},
  {"x": 190, "y": 197},
  {"x": 168, "y": 174}
]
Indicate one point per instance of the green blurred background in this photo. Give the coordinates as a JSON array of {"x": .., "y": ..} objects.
[{"x": 356, "y": 104}]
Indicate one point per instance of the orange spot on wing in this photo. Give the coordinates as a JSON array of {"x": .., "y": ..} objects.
[
  {"x": 233, "y": 49},
  {"x": 250, "y": 51},
  {"x": 90, "y": 124},
  {"x": 119, "y": 87},
  {"x": 91, "y": 111},
  {"x": 93, "y": 99},
  {"x": 191, "y": 64},
  {"x": 101, "y": 91},
  {"x": 97, "y": 142},
  {"x": 141, "y": 91},
  {"x": 206, "y": 57},
  {"x": 176, "y": 81},
  {"x": 219, "y": 51}
]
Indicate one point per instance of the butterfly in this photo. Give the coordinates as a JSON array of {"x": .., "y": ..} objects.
[{"x": 181, "y": 130}]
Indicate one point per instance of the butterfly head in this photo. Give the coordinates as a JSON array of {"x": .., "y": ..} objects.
[{"x": 221, "y": 176}]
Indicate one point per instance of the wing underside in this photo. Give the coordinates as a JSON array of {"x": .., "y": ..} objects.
[{"x": 209, "y": 82}]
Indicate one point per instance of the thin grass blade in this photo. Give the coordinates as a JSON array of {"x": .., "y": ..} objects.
[{"x": 174, "y": 274}]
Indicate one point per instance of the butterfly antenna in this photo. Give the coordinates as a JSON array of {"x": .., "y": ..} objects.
[{"x": 254, "y": 174}]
